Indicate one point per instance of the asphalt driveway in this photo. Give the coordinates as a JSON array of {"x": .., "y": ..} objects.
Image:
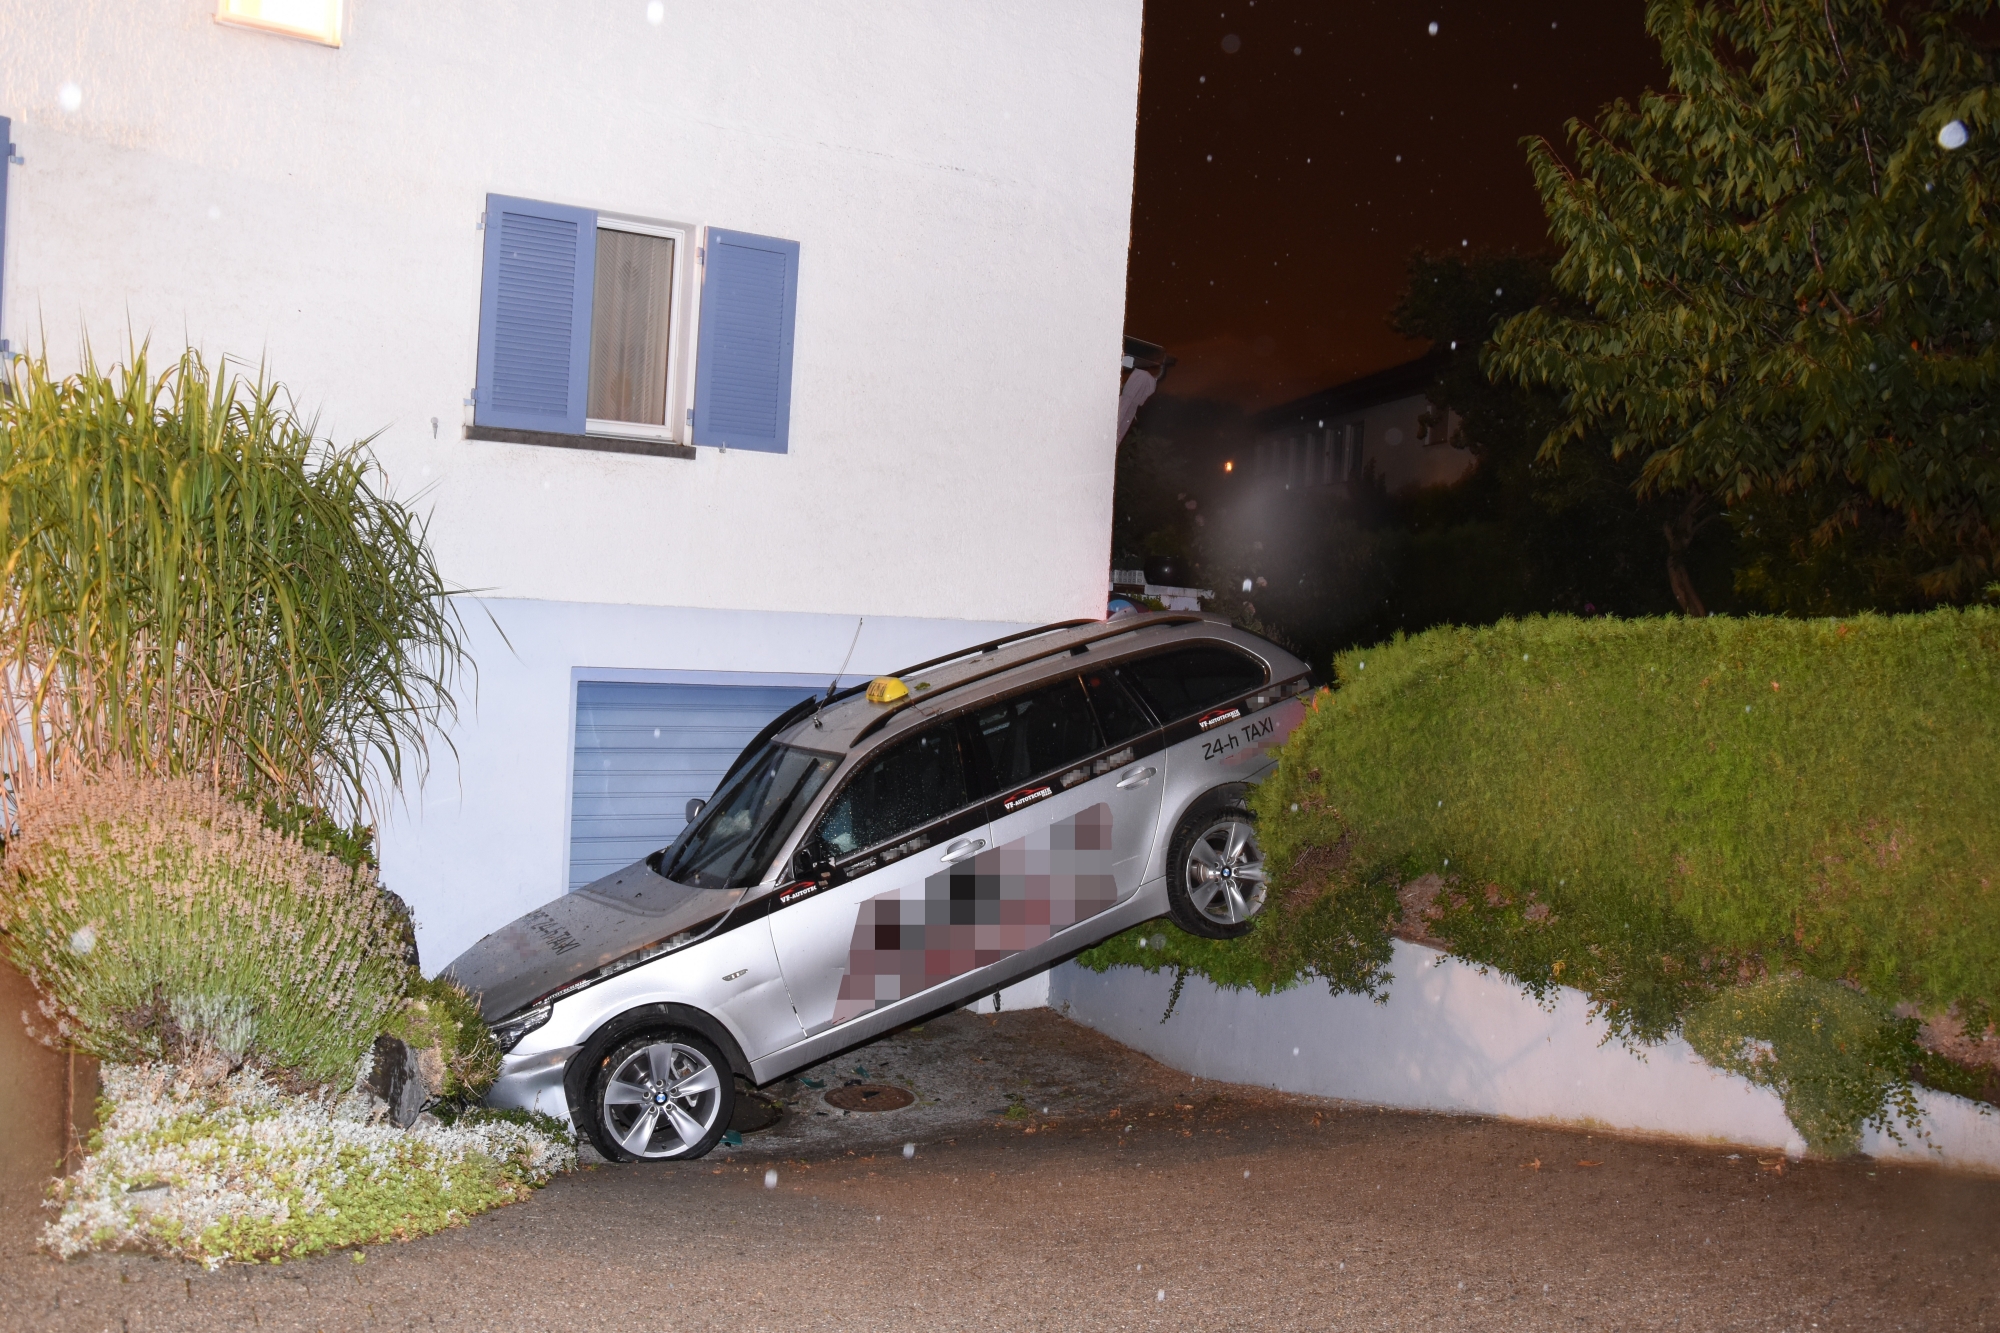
[{"x": 1139, "y": 1198}]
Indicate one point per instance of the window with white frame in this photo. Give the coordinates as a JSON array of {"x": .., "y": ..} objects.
[
  {"x": 633, "y": 313},
  {"x": 599, "y": 331}
]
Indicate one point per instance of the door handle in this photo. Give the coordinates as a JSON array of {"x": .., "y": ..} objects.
[
  {"x": 1138, "y": 777},
  {"x": 961, "y": 849}
]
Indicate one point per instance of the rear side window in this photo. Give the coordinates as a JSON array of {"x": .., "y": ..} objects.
[
  {"x": 1183, "y": 681},
  {"x": 912, "y": 783},
  {"x": 1032, "y": 734},
  {"x": 1118, "y": 713}
]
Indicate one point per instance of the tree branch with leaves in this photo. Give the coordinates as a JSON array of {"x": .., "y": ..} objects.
[{"x": 1782, "y": 276}]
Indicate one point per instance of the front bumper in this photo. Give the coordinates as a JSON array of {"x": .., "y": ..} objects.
[{"x": 533, "y": 1082}]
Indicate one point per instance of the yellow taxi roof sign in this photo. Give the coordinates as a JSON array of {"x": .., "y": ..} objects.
[{"x": 886, "y": 690}]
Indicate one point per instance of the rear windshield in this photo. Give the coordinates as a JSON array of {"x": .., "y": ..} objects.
[
  {"x": 1183, "y": 681},
  {"x": 731, "y": 844}
]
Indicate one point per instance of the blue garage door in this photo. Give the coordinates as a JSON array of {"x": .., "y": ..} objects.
[{"x": 642, "y": 751}]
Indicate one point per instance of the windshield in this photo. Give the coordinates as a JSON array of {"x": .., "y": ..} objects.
[{"x": 732, "y": 843}]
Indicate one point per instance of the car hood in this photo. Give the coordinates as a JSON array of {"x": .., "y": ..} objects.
[{"x": 579, "y": 933}]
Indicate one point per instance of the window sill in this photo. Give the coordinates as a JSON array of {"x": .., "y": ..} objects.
[{"x": 607, "y": 444}]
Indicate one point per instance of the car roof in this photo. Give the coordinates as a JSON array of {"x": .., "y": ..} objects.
[{"x": 947, "y": 684}]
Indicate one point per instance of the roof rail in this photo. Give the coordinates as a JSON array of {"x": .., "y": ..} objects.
[
  {"x": 992, "y": 645},
  {"x": 1111, "y": 629},
  {"x": 812, "y": 703}
]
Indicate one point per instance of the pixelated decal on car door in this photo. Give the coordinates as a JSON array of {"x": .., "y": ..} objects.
[{"x": 1002, "y": 901}]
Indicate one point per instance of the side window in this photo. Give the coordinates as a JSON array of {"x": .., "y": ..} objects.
[
  {"x": 1118, "y": 713},
  {"x": 1183, "y": 681},
  {"x": 909, "y": 785},
  {"x": 1031, "y": 734}
]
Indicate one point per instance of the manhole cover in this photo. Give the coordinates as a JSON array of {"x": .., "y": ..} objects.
[{"x": 870, "y": 1097}]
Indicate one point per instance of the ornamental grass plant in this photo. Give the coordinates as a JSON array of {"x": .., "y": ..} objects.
[
  {"x": 1658, "y": 812},
  {"x": 195, "y": 585},
  {"x": 205, "y": 611}
]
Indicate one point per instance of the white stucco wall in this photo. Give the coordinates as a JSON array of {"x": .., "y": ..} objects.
[
  {"x": 1454, "y": 1038},
  {"x": 958, "y": 177}
]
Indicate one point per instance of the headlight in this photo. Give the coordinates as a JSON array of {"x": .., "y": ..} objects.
[{"x": 508, "y": 1035}]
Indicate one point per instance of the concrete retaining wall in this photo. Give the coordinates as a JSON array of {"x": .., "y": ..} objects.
[{"x": 1452, "y": 1039}]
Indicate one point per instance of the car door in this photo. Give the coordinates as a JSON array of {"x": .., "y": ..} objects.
[
  {"x": 1131, "y": 778},
  {"x": 1220, "y": 718},
  {"x": 886, "y": 880},
  {"x": 1068, "y": 841}
]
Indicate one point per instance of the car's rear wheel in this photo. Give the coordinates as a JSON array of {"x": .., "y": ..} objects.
[
  {"x": 1216, "y": 882},
  {"x": 661, "y": 1097}
]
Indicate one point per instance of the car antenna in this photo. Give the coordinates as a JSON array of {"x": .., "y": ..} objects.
[{"x": 834, "y": 684}]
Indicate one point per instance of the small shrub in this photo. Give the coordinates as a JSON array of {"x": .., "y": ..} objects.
[
  {"x": 1839, "y": 1059},
  {"x": 441, "y": 1022},
  {"x": 350, "y": 845},
  {"x": 243, "y": 1170},
  {"x": 158, "y": 919},
  {"x": 541, "y": 1122}
]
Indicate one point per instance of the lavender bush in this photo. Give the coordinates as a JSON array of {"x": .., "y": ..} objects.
[{"x": 162, "y": 921}]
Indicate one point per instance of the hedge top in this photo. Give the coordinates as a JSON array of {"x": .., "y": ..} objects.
[{"x": 1818, "y": 795}]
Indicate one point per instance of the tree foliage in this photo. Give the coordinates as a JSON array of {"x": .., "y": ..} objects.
[
  {"x": 1782, "y": 283},
  {"x": 1567, "y": 532}
]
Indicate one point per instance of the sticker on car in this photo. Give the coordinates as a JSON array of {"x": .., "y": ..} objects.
[
  {"x": 1228, "y": 742},
  {"x": 979, "y": 912},
  {"x": 1027, "y": 796}
]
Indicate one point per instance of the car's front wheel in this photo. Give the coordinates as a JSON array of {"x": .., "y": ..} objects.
[
  {"x": 1216, "y": 881},
  {"x": 663, "y": 1096}
]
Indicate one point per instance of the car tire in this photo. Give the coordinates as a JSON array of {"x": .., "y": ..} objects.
[
  {"x": 1216, "y": 881},
  {"x": 661, "y": 1096}
]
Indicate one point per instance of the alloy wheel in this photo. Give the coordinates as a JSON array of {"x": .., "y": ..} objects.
[
  {"x": 662, "y": 1100},
  {"x": 1225, "y": 872}
]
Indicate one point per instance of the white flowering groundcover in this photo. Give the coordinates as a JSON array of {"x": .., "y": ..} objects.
[{"x": 238, "y": 1169}]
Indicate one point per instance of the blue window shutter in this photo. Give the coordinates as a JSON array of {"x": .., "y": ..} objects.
[
  {"x": 534, "y": 315},
  {"x": 743, "y": 362}
]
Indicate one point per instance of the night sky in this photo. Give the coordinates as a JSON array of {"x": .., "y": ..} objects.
[{"x": 1292, "y": 154}]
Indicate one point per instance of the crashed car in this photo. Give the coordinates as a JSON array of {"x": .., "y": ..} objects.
[{"x": 889, "y": 852}]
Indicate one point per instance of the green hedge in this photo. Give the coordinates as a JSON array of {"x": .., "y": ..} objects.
[
  {"x": 1817, "y": 795},
  {"x": 1654, "y": 810}
]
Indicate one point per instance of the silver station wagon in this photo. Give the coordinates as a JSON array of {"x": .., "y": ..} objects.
[{"x": 889, "y": 852}]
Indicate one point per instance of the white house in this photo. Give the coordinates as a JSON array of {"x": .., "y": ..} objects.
[{"x": 704, "y": 333}]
